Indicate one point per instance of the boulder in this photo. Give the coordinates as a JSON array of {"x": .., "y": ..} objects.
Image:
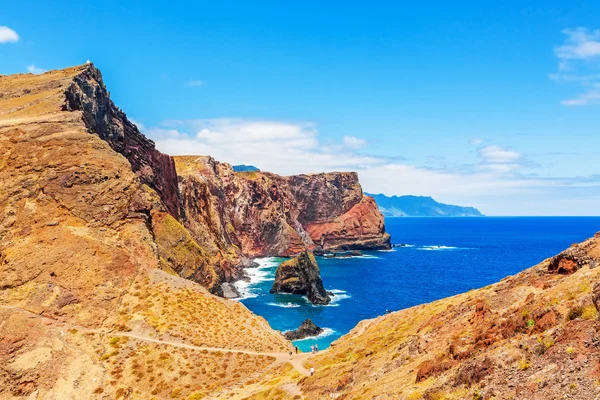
[
  {"x": 301, "y": 275},
  {"x": 307, "y": 329}
]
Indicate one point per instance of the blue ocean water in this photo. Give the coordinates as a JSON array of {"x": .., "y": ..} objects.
[{"x": 444, "y": 256}]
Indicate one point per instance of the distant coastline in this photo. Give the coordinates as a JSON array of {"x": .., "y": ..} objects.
[{"x": 420, "y": 206}]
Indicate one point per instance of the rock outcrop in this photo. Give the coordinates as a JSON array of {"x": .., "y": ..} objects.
[
  {"x": 264, "y": 214},
  {"x": 301, "y": 275},
  {"x": 306, "y": 329},
  {"x": 223, "y": 217},
  {"x": 92, "y": 255}
]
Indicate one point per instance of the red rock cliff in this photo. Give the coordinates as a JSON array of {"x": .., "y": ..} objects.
[
  {"x": 264, "y": 214},
  {"x": 203, "y": 224}
]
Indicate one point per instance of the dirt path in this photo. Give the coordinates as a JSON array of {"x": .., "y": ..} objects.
[{"x": 296, "y": 361}]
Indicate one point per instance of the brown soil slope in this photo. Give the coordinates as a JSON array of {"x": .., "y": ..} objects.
[
  {"x": 87, "y": 222},
  {"x": 535, "y": 335}
]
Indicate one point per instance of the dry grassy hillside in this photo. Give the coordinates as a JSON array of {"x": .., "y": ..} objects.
[
  {"x": 89, "y": 304},
  {"x": 531, "y": 336}
]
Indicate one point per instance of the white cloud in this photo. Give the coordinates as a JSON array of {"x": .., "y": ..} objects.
[
  {"x": 581, "y": 44},
  {"x": 498, "y": 155},
  {"x": 194, "y": 82},
  {"x": 278, "y": 146},
  {"x": 35, "y": 70},
  {"x": 579, "y": 59},
  {"x": 8, "y": 35},
  {"x": 476, "y": 141},
  {"x": 592, "y": 96},
  {"x": 165, "y": 134},
  {"x": 354, "y": 142},
  {"x": 494, "y": 183}
]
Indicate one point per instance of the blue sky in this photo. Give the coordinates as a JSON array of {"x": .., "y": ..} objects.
[{"x": 493, "y": 104}]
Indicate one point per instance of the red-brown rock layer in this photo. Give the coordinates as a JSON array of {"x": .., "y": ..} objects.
[{"x": 264, "y": 214}]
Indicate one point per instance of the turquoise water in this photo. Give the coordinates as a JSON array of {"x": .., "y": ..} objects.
[{"x": 444, "y": 256}]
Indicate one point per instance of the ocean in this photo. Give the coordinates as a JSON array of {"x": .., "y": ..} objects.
[{"x": 442, "y": 257}]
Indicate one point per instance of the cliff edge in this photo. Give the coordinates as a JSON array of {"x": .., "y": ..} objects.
[{"x": 264, "y": 214}]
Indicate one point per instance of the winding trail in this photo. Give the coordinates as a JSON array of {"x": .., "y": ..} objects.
[{"x": 296, "y": 361}]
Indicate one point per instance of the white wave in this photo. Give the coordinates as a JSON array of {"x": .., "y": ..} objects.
[
  {"x": 245, "y": 291},
  {"x": 388, "y": 251},
  {"x": 326, "y": 332},
  {"x": 441, "y": 248},
  {"x": 338, "y": 295},
  {"x": 264, "y": 272},
  {"x": 285, "y": 305}
]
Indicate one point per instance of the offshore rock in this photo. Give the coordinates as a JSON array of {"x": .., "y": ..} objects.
[
  {"x": 301, "y": 275},
  {"x": 307, "y": 329}
]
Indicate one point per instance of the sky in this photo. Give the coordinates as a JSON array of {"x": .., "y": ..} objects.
[{"x": 492, "y": 104}]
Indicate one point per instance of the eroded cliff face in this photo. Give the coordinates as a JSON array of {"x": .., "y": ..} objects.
[
  {"x": 264, "y": 214},
  {"x": 92, "y": 255}
]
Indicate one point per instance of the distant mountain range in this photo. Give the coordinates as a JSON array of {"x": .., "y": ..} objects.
[
  {"x": 245, "y": 168},
  {"x": 420, "y": 206}
]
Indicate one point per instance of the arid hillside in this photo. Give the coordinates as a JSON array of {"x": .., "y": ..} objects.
[
  {"x": 109, "y": 262},
  {"x": 535, "y": 335},
  {"x": 91, "y": 249}
]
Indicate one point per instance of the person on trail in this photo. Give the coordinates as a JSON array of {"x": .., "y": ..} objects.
[
  {"x": 290, "y": 355},
  {"x": 312, "y": 371},
  {"x": 316, "y": 348},
  {"x": 312, "y": 349},
  {"x": 296, "y": 349}
]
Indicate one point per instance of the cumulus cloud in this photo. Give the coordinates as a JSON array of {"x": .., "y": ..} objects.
[
  {"x": 578, "y": 62},
  {"x": 499, "y": 155},
  {"x": 581, "y": 44},
  {"x": 591, "y": 96},
  {"x": 278, "y": 146},
  {"x": 8, "y": 35},
  {"x": 354, "y": 142},
  {"x": 194, "y": 82},
  {"x": 493, "y": 181},
  {"x": 35, "y": 70}
]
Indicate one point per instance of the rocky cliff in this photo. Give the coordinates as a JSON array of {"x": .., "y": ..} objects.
[
  {"x": 264, "y": 214},
  {"x": 224, "y": 217},
  {"x": 301, "y": 275},
  {"x": 92, "y": 255}
]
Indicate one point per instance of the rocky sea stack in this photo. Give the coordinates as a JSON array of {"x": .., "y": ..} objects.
[
  {"x": 301, "y": 275},
  {"x": 307, "y": 329}
]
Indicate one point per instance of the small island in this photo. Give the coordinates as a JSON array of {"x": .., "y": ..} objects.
[
  {"x": 307, "y": 329},
  {"x": 301, "y": 275}
]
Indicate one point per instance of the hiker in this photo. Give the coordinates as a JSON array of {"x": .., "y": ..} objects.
[
  {"x": 316, "y": 348},
  {"x": 290, "y": 355},
  {"x": 296, "y": 349},
  {"x": 312, "y": 349},
  {"x": 312, "y": 371}
]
